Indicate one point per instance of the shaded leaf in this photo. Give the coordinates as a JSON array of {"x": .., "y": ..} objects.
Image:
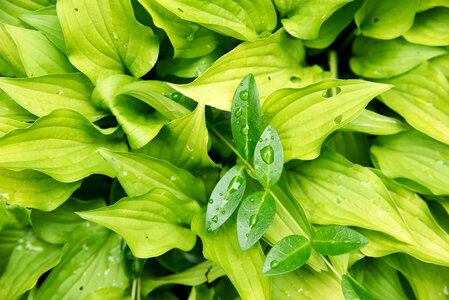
[{"x": 354, "y": 290}]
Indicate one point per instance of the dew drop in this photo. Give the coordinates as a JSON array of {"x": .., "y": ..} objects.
[
  {"x": 247, "y": 235},
  {"x": 252, "y": 220},
  {"x": 238, "y": 112},
  {"x": 267, "y": 154},
  {"x": 75, "y": 9},
  {"x": 125, "y": 45},
  {"x": 331, "y": 92},
  {"x": 295, "y": 79},
  {"x": 115, "y": 35},
  {"x": 244, "y": 95},
  {"x": 223, "y": 212},
  {"x": 173, "y": 178},
  {"x": 234, "y": 185},
  {"x": 189, "y": 148},
  {"x": 274, "y": 264},
  {"x": 190, "y": 37},
  {"x": 338, "y": 119},
  {"x": 244, "y": 130},
  {"x": 260, "y": 140},
  {"x": 176, "y": 96},
  {"x": 211, "y": 201},
  {"x": 215, "y": 219},
  {"x": 59, "y": 92}
]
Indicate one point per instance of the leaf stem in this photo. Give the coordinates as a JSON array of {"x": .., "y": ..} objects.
[
  {"x": 331, "y": 266},
  {"x": 139, "y": 288},
  {"x": 333, "y": 63},
  {"x": 133, "y": 289}
]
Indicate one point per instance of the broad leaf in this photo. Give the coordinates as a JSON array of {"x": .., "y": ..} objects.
[
  {"x": 108, "y": 293},
  {"x": 225, "y": 197},
  {"x": 9, "y": 53},
  {"x": 90, "y": 261},
  {"x": 305, "y": 117},
  {"x": 244, "y": 20},
  {"x": 138, "y": 174},
  {"x": 30, "y": 259},
  {"x": 189, "y": 40},
  {"x": 354, "y": 290},
  {"x": 421, "y": 96},
  {"x": 383, "y": 59},
  {"x": 337, "y": 240},
  {"x": 287, "y": 255},
  {"x": 9, "y": 239},
  {"x": 430, "y": 28},
  {"x": 151, "y": 224},
  {"x": 10, "y": 109},
  {"x": 267, "y": 59},
  {"x": 241, "y": 267},
  {"x": 13, "y": 216},
  {"x": 268, "y": 158},
  {"x": 245, "y": 117},
  {"x": 33, "y": 189},
  {"x": 353, "y": 146},
  {"x": 385, "y": 19},
  {"x": 62, "y": 145},
  {"x": 6, "y": 125},
  {"x": 11, "y": 10},
  {"x": 42, "y": 95},
  {"x": 118, "y": 45},
  {"x": 335, "y": 191},
  {"x": 255, "y": 215}
]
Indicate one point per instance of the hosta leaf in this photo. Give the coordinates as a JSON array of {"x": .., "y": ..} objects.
[
  {"x": 243, "y": 20},
  {"x": 306, "y": 283},
  {"x": 337, "y": 240},
  {"x": 43, "y": 95},
  {"x": 269, "y": 158},
  {"x": 9, "y": 239},
  {"x": 383, "y": 59},
  {"x": 304, "y": 21},
  {"x": 6, "y": 125},
  {"x": 9, "y": 53},
  {"x": 13, "y": 216},
  {"x": 151, "y": 224},
  {"x": 204, "y": 272},
  {"x": 421, "y": 96},
  {"x": 225, "y": 197},
  {"x": 305, "y": 117},
  {"x": 62, "y": 145},
  {"x": 46, "y": 21},
  {"x": 384, "y": 19},
  {"x": 90, "y": 261},
  {"x": 255, "y": 215},
  {"x": 267, "y": 59},
  {"x": 138, "y": 174},
  {"x": 189, "y": 40},
  {"x": 352, "y": 145},
  {"x": 108, "y": 293},
  {"x": 33, "y": 189},
  {"x": 245, "y": 117},
  {"x": 119, "y": 44},
  {"x": 56, "y": 226},
  {"x": 39, "y": 56},
  {"x": 28, "y": 261},
  {"x": 414, "y": 158},
  {"x": 430, "y": 28},
  {"x": 11, "y": 10},
  {"x": 354, "y": 290},
  {"x": 287, "y": 255},
  {"x": 241, "y": 267},
  {"x": 335, "y": 191},
  {"x": 10, "y": 109}
]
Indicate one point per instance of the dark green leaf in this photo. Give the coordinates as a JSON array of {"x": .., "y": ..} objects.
[
  {"x": 354, "y": 290},
  {"x": 254, "y": 217},
  {"x": 337, "y": 240}
]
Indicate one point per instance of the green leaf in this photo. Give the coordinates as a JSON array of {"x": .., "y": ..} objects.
[
  {"x": 352, "y": 145},
  {"x": 337, "y": 240},
  {"x": 30, "y": 259},
  {"x": 414, "y": 157},
  {"x": 13, "y": 215},
  {"x": 9, "y": 53},
  {"x": 90, "y": 261},
  {"x": 269, "y": 158},
  {"x": 62, "y": 145},
  {"x": 119, "y": 44},
  {"x": 305, "y": 117},
  {"x": 244, "y": 20},
  {"x": 202, "y": 292},
  {"x": 305, "y": 20},
  {"x": 430, "y": 28},
  {"x": 138, "y": 174},
  {"x": 6, "y": 125},
  {"x": 225, "y": 197},
  {"x": 46, "y": 21},
  {"x": 245, "y": 117},
  {"x": 384, "y": 19},
  {"x": 109, "y": 294},
  {"x": 9, "y": 239},
  {"x": 373, "y": 123},
  {"x": 10, "y": 109},
  {"x": 373, "y": 58},
  {"x": 33, "y": 189},
  {"x": 335, "y": 191},
  {"x": 421, "y": 96},
  {"x": 354, "y": 290},
  {"x": 42, "y": 95},
  {"x": 287, "y": 255},
  {"x": 267, "y": 59},
  {"x": 189, "y": 40},
  {"x": 151, "y": 224},
  {"x": 56, "y": 226},
  {"x": 39, "y": 56},
  {"x": 11, "y": 10},
  {"x": 241, "y": 267},
  {"x": 255, "y": 215}
]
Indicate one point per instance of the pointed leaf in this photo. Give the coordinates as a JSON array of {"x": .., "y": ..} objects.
[
  {"x": 255, "y": 215},
  {"x": 287, "y": 255},
  {"x": 376, "y": 124},
  {"x": 269, "y": 158},
  {"x": 245, "y": 117},
  {"x": 10, "y": 109},
  {"x": 119, "y": 44},
  {"x": 151, "y": 224},
  {"x": 305, "y": 117},
  {"x": 11, "y": 10},
  {"x": 354, "y": 290},
  {"x": 225, "y": 197},
  {"x": 337, "y": 240}
]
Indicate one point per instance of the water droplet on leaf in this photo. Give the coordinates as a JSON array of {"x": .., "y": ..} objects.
[
  {"x": 238, "y": 112},
  {"x": 235, "y": 184},
  {"x": 267, "y": 154},
  {"x": 215, "y": 219},
  {"x": 244, "y": 95},
  {"x": 274, "y": 264},
  {"x": 252, "y": 220},
  {"x": 338, "y": 119},
  {"x": 244, "y": 130},
  {"x": 211, "y": 201}
]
